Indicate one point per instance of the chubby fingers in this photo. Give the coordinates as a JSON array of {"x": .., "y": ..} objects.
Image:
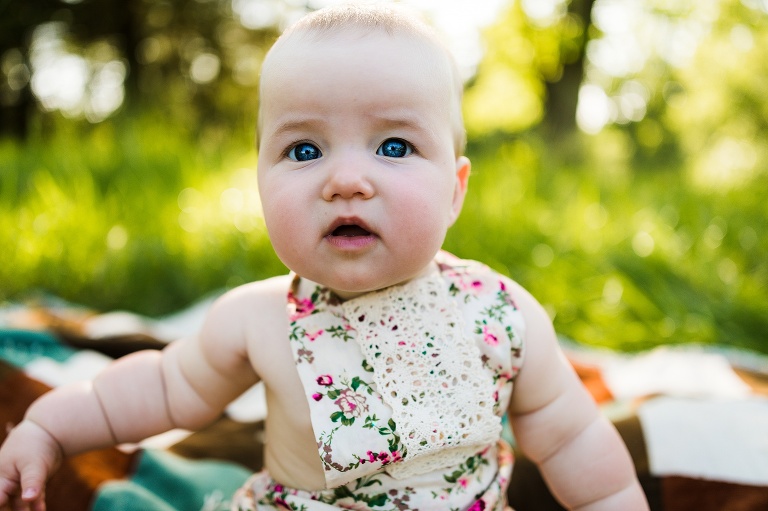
[
  {"x": 27, "y": 501},
  {"x": 33, "y": 488},
  {"x": 9, "y": 489},
  {"x": 24, "y": 493}
]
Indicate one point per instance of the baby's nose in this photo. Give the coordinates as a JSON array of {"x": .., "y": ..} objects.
[{"x": 347, "y": 180}]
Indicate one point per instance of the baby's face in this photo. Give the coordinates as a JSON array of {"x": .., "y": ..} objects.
[{"x": 357, "y": 169}]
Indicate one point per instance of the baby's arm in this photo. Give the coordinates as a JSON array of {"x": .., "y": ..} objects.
[
  {"x": 558, "y": 425},
  {"x": 185, "y": 386}
]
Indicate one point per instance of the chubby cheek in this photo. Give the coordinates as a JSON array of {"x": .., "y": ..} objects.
[
  {"x": 423, "y": 223},
  {"x": 287, "y": 223}
]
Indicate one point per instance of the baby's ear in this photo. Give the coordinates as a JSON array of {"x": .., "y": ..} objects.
[{"x": 463, "y": 167}]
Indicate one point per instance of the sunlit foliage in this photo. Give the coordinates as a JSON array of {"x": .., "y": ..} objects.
[{"x": 507, "y": 94}]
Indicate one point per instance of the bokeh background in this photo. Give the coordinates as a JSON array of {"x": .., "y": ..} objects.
[{"x": 620, "y": 163}]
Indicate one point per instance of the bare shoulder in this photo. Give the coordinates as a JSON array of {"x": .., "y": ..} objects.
[
  {"x": 246, "y": 318},
  {"x": 249, "y": 303},
  {"x": 207, "y": 371},
  {"x": 545, "y": 374},
  {"x": 534, "y": 314},
  {"x": 540, "y": 339}
]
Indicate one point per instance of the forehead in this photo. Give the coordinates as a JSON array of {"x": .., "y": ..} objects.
[
  {"x": 361, "y": 38},
  {"x": 356, "y": 64}
]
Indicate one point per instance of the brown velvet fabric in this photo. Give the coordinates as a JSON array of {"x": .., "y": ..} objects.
[{"x": 683, "y": 494}]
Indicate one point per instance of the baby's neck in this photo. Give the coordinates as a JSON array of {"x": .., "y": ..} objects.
[{"x": 343, "y": 296}]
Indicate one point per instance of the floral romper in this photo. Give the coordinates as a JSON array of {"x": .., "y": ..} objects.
[{"x": 406, "y": 388}]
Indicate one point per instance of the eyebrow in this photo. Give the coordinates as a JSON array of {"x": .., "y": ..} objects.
[
  {"x": 402, "y": 120},
  {"x": 296, "y": 124}
]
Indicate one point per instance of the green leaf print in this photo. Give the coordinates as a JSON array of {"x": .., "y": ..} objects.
[
  {"x": 377, "y": 500},
  {"x": 339, "y": 332},
  {"x": 342, "y": 492},
  {"x": 370, "y": 421},
  {"x": 454, "y": 476}
]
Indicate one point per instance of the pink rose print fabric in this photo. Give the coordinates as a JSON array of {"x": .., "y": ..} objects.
[{"x": 356, "y": 435}]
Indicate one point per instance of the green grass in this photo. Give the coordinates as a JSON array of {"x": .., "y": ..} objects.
[
  {"x": 136, "y": 215},
  {"x": 128, "y": 216},
  {"x": 627, "y": 262}
]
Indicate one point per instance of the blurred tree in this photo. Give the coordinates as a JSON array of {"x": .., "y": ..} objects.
[
  {"x": 564, "y": 77},
  {"x": 16, "y": 101},
  {"x": 683, "y": 83},
  {"x": 675, "y": 81},
  {"x": 719, "y": 112},
  {"x": 532, "y": 70},
  {"x": 507, "y": 93},
  {"x": 194, "y": 59}
]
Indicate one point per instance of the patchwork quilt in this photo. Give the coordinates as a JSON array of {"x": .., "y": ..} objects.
[{"x": 694, "y": 418}]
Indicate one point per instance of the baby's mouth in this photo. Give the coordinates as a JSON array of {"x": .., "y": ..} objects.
[
  {"x": 350, "y": 231},
  {"x": 350, "y": 234}
]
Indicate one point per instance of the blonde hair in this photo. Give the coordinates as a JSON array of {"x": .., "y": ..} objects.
[
  {"x": 391, "y": 20},
  {"x": 372, "y": 17}
]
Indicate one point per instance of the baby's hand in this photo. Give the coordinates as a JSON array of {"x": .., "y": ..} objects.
[{"x": 28, "y": 456}]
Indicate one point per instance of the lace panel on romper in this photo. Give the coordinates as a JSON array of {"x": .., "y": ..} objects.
[{"x": 428, "y": 372}]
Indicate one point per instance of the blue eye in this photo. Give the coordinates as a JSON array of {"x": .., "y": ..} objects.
[
  {"x": 304, "y": 152},
  {"x": 394, "y": 148}
]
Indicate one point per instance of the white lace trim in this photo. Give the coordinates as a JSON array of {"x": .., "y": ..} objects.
[{"x": 428, "y": 371}]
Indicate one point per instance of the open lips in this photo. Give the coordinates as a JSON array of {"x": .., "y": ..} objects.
[
  {"x": 350, "y": 234},
  {"x": 350, "y": 231},
  {"x": 349, "y": 227}
]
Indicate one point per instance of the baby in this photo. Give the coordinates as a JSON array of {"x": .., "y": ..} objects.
[{"x": 388, "y": 364}]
